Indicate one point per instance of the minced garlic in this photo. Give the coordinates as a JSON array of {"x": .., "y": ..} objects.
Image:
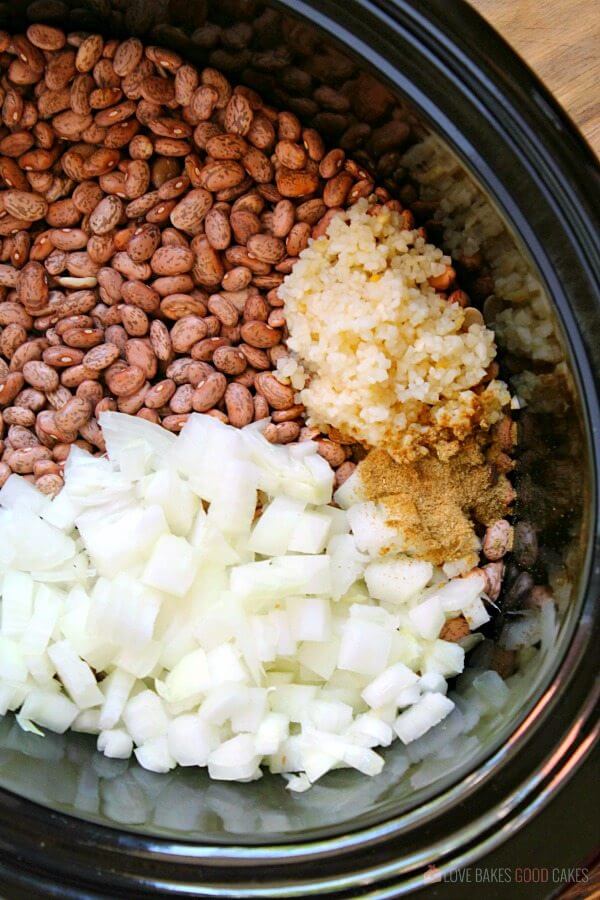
[{"x": 390, "y": 362}]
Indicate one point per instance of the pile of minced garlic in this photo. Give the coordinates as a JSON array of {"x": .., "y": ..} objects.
[{"x": 376, "y": 352}]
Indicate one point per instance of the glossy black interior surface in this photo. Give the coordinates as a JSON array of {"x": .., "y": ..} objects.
[{"x": 380, "y": 79}]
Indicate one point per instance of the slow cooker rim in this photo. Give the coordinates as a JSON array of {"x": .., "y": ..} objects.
[{"x": 427, "y": 8}]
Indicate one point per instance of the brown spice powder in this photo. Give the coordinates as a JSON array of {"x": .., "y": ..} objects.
[{"x": 433, "y": 502}]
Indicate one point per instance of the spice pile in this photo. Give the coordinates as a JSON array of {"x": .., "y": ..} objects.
[{"x": 433, "y": 504}]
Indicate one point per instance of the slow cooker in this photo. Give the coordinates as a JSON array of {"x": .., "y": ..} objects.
[{"x": 425, "y": 92}]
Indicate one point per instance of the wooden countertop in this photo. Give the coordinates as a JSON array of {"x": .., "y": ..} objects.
[{"x": 560, "y": 40}]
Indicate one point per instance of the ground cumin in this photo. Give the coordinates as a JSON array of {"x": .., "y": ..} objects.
[{"x": 432, "y": 502}]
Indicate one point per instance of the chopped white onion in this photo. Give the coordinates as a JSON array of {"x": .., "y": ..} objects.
[{"x": 236, "y": 617}]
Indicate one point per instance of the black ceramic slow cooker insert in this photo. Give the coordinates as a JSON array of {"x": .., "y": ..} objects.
[{"x": 512, "y": 179}]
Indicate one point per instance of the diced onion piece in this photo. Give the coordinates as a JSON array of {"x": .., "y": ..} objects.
[
  {"x": 321, "y": 657},
  {"x": 522, "y": 631},
  {"x": 406, "y": 648},
  {"x": 272, "y": 532},
  {"x": 350, "y": 492},
  {"x": 427, "y": 618},
  {"x": 330, "y": 715},
  {"x": 36, "y": 545},
  {"x": 121, "y": 431},
  {"x": 444, "y": 657},
  {"x": 154, "y": 755},
  {"x": 317, "y": 762},
  {"x": 235, "y": 759},
  {"x": 11, "y": 696},
  {"x": 310, "y": 618},
  {"x": 145, "y": 717},
  {"x": 493, "y": 690},
  {"x": 298, "y": 783},
  {"x": 397, "y": 580},
  {"x": 281, "y": 576},
  {"x": 12, "y": 663},
  {"x": 115, "y": 743},
  {"x": 189, "y": 677},
  {"x": 310, "y": 533},
  {"x": 116, "y": 688},
  {"x": 172, "y": 566},
  {"x": 139, "y": 661},
  {"x": 234, "y": 502},
  {"x": 16, "y": 491},
  {"x": 224, "y": 665},
  {"x": 49, "y": 710},
  {"x": 200, "y": 450},
  {"x": 40, "y": 667},
  {"x": 178, "y": 502},
  {"x": 87, "y": 722},
  {"x": 371, "y": 532},
  {"x": 305, "y": 448},
  {"x": 289, "y": 756},
  {"x": 76, "y": 675},
  {"x": 28, "y": 726},
  {"x": 47, "y": 606},
  {"x": 191, "y": 740},
  {"x": 408, "y": 696},
  {"x": 118, "y": 542},
  {"x": 293, "y": 700},
  {"x": 459, "y": 593},
  {"x": 363, "y": 759},
  {"x": 338, "y": 518},
  {"x": 347, "y": 563},
  {"x": 210, "y": 543},
  {"x": 61, "y": 512},
  {"x": 476, "y": 614},
  {"x": 369, "y": 730},
  {"x": 134, "y": 460},
  {"x": 322, "y": 477},
  {"x": 426, "y": 713},
  {"x": 265, "y": 635},
  {"x": 249, "y": 716},
  {"x": 388, "y": 683},
  {"x": 93, "y": 481},
  {"x": 17, "y": 603},
  {"x": 123, "y": 611},
  {"x": 304, "y": 477},
  {"x": 222, "y": 703},
  {"x": 433, "y": 682},
  {"x": 272, "y": 731},
  {"x": 364, "y": 647}
]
